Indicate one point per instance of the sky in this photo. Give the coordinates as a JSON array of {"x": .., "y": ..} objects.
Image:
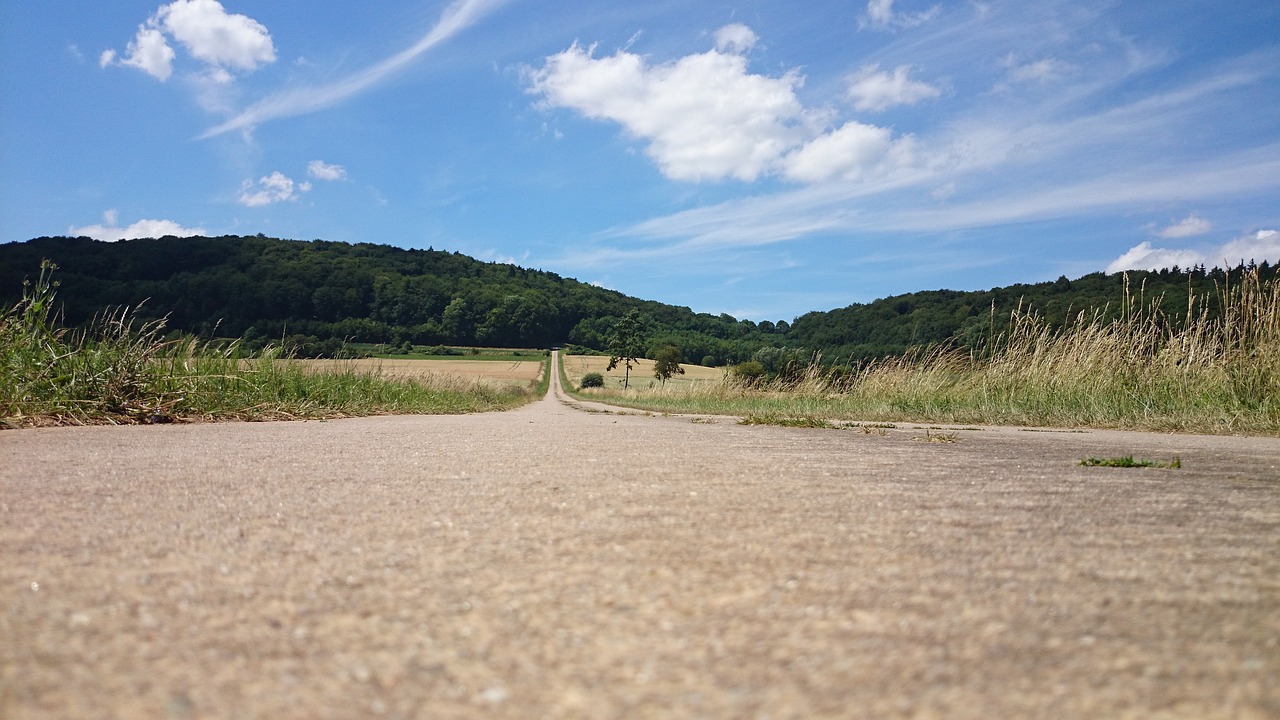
[{"x": 762, "y": 158}]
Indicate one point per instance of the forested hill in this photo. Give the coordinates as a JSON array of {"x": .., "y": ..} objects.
[{"x": 322, "y": 293}]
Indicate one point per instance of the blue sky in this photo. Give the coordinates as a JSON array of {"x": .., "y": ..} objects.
[{"x": 762, "y": 158}]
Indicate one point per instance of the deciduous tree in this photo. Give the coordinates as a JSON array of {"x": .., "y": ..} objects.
[
  {"x": 667, "y": 363},
  {"x": 626, "y": 344}
]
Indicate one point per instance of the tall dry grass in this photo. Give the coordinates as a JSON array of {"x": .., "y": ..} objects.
[
  {"x": 1214, "y": 370},
  {"x": 118, "y": 370}
]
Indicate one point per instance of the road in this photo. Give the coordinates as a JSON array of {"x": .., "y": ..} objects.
[{"x": 562, "y": 561}]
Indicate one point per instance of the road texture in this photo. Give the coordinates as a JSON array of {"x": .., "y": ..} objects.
[{"x": 553, "y": 562}]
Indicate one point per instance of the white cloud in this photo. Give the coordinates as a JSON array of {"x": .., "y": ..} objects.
[
  {"x": 876, "y": 89},
  {"x": 735, "y": 38},
  {"x": 321, "y": 170},
  {"x": 1035, "y": 71},
  {"x": 880, "y": 15},
  {"x": 150, "y": 53},
  {"x": 456, "y": 17},
  {"x": 1262, "y": 245},
  {"x": 1145, "y": 257},
  {"x": 1257, "y": 247},
  {"x": 206, "y": 30},
  {"x": 848, "y": 153},
  {"x": 271, "y": 189},
  {"x": 705, "y": 117},
  {"x": 1191, "y": 225},
  {"x": 109, "y": 232},
  {"x": 215, "y": 37}
]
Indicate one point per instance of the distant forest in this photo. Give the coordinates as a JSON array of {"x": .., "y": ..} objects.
[{"x": 315, "y": 296}]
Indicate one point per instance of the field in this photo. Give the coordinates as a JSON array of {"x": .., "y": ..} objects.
[
  {"x": 496, "y": 372},
  {"x": 575, "y": 366}
]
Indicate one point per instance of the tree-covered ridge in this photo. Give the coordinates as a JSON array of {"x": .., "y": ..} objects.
[
  {"x": 259, "y": 287},
  {"x": 263, "y": 288}
]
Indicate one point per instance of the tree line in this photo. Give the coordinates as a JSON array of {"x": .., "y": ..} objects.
[{"x": 324, "y": 294}]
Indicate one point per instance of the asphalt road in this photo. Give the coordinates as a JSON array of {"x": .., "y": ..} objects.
[{"x": 561, "y": 563}]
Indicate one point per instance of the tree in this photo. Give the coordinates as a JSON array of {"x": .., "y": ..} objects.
[
  {"x": 626, "y": 343},
  {"x": 667, "y": 363}
]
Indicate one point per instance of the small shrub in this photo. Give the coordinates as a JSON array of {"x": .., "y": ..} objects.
[
  {"x": 750, "y": 372},
  {"x": 591, "y": 380}
]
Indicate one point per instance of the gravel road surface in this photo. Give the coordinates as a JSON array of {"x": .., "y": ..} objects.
[{"x": 560, "y": 561}]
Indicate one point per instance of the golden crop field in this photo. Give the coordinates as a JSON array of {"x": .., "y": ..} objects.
[
  {"x": 490, "y": 370},
  {"x": 575, "y": 366}
]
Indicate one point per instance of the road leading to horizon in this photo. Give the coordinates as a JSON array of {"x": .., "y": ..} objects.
[{"x": 560, "y": 563}]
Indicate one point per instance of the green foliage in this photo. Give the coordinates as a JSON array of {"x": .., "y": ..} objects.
[
  {"x": 626, "y": 344},
  {"x": 667, "y": 363},
  {"x": 749, "y": 373},
  {"x": 119, "y": 368},
  {"x": 269, "y": 291},
  {"x": 1127, "y": 461},
  {"x": 592, "y": 380}
]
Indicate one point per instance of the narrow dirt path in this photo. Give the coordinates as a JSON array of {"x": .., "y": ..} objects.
[{"x": 552, "y": 562}]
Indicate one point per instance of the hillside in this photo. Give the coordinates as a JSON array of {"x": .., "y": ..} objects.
[{"x": 321, "y": 293}]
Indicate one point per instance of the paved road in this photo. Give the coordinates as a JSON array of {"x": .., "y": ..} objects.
[{"x": 551, "y": 562}]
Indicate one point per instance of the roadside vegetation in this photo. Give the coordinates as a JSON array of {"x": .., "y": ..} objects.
[
  {"x": 1214, "y": 367},
  {"x": 118, "y": 368}
]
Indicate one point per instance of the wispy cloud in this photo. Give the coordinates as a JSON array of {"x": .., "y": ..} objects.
[
  {"x": 321, "y": 170},
  {"x": 457, "y": 17},
  {"x": 1191, "y": 225}
]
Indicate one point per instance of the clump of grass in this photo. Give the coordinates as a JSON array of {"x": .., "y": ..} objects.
[
  {"x": 1127, "y": 461},
  {"x": 1215, "y": 370},
  {"x": 119, "y": 370}
]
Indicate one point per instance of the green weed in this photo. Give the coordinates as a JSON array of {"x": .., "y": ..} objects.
[{"x": 1127, "y": 461}]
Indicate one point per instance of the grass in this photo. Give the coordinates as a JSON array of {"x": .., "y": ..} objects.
[
  {"x": 116, "y": 370},
  {"x": 1216, "y": 370},
  {"x": 1127, "y": 461}
]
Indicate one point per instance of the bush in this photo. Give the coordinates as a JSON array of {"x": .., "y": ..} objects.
[
  {"x": 591, "y": 380},
  {"x": 750, "y": 372}
]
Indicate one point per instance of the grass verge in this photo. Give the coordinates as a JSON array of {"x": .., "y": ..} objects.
[{"x": 116, "y": 370}]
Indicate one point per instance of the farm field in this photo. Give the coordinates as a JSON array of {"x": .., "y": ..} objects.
[
  {"x": 575, "y": 366},
  {"x": 495, "y": 371}
]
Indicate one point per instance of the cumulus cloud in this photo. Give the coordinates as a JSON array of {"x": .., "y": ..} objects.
[
  {"x": 148, "y": 51},
  {"x": 216, "y": 37},
  {"x": 735, "y": 38},
  {"x": 321, "y": 170},
  {"x": 109, "y": 230},
  {"x": 208, "y": 32},
  {"x": 880, "y": 15},
  {"x": 1263, "y": 245},
  {"x": 271, "y": 189},
  {"x": 849, "y": 153},
  {"x": 706, "y": 117},
  {"x": 876, "y": 89},
  {"x": 1191, "y": 225}
]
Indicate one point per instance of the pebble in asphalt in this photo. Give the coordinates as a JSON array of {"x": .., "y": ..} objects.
[{"x": 561, "y": 561}]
